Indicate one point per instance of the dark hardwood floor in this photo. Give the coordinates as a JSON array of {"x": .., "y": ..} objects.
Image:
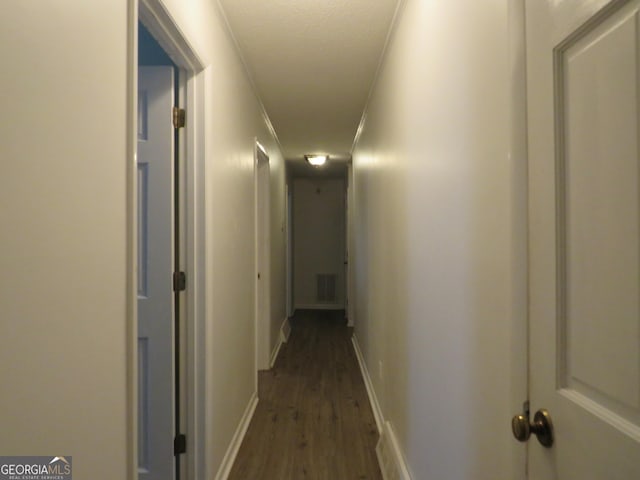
[{"x": 313, "y": 420}]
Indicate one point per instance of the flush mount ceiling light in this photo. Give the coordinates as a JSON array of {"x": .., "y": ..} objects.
[{"x": 316, "y": 160}]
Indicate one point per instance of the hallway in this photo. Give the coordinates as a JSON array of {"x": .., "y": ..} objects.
[
  {"x": 489, "y": 156},
  {"x": 313, "y": 419}
]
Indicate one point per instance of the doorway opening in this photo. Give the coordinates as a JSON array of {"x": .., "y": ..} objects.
[
  {"x": 158, "y": 251},
  {"x": 263, "y": 255},
  {"x": 167, "y": 185}
]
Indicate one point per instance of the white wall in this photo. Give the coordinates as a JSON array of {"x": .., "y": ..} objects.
[
  {"x": 319, "y": 238},
  {"x": 63, "y": 257},
  {"x": 434, "y": 238},
  {"x": 63, "y": 206}
]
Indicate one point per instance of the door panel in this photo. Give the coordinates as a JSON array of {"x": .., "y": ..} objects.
[
  {"x": 155, "y": 267},
  {"x": 598, "y": 193},
  {"x": 584, "y": 197}
]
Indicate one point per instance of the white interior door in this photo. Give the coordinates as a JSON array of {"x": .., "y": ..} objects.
[
  {"x": 584, "y": 194},
  {"x": 263, "y": 249},
  {"x": 155, "y": 269}
]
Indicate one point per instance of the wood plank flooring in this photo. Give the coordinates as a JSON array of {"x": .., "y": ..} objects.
[{"x": 313, "y": 420}]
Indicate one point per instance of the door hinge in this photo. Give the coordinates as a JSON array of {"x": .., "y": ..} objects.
[
  {"x": 180, "y": 444},
  {"x": 179, "y": 117},
  {"x": 179, "y": 281}
]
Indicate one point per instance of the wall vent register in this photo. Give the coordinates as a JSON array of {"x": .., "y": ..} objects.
[{"x": 326, "y": 287}]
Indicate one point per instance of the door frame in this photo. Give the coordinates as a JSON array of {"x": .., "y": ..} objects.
[
  {"x": 289, "y": 247},
  {"x": 191, "y": 225},
  {"x": 262, "y": 256},
  {"x": 518, "y": 163},
  {"x": 348, "y": 250}
]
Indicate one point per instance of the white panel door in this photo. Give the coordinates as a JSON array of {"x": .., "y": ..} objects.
[
  {"x": 155, "y": 268},
  {"x": 584, "y": 194}
]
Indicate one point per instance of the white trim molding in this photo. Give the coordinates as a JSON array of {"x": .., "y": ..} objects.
[
  {"x": 319, "y": 306},
  {"x": 275, "y": 352},
  {"x": 285, "y": 331},
  {"x": 234, "y": 446},
  {"x": 390, "y": 457},
  {"x": 373, "y": 400},
  {"x": 388, "y": 451}
]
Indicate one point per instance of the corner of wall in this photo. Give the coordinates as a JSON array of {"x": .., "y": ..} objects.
[
  {"x": 390, "y": 457},
  {"x": 285, "y": 330},
  {"x": 234, "y": 446},
  {"x": 388, "y": 451},
  {"x": 373, "y": 399}
]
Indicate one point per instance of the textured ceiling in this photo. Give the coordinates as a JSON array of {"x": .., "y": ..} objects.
[{"x": 312, "y": 63}]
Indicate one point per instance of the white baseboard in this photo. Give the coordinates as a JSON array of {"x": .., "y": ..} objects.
[
  {"x": 318, "y": 306},
  {"x": 275, "y": 352},
  {"x": 373, "y": 400},
  {"x": 285, "y": 331},
  {"x": 390, "y": 456},
  {"x": 234, "y": 446}
]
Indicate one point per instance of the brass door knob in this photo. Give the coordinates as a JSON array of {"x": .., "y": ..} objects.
[{"x": 542, "y": 427}]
